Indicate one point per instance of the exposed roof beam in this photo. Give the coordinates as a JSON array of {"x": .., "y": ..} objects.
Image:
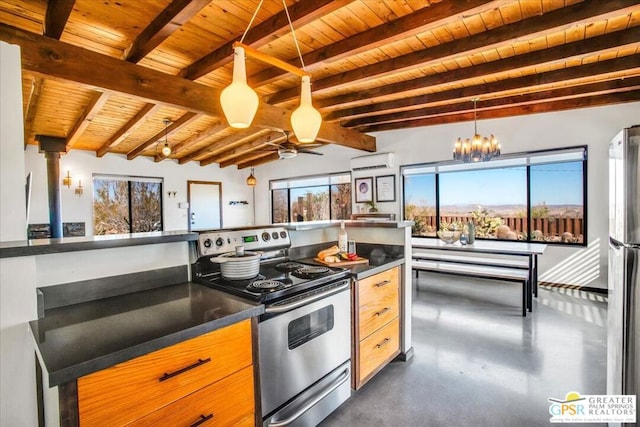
[
  {"x": 174, "y": 16},
  {"x": 260, "y": 142},
  {"x": 529, "y": 28},
  {"x": 61, "y": 61},
  {"x": 630, "y": 64},
  {"x": 56, "y": 17},
  {"x": 302, "y": 12},
  {"x": 405, "y": 26},
  {"x": 97, "y": 101},
  {"x": 235, "y": 139},
  {"x": 195, "y": 138},
  {"x": 542, "y": 107},
  {"x": 32, "y": 107},
  {"x": 129, "y": 127},
  {"x": 567, "y": 92},
  {"x": 185, "y": 119},
  {"x": 256, "y": 159}
]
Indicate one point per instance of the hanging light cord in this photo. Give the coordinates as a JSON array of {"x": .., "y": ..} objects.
[
  {"x": 251, "y": 21},
  {"x": 475, "y": 116},
  {"x": 293, "y": 33}
]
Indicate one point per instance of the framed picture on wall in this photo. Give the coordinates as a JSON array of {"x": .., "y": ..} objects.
[
  {"x": 386, "y": 188},
  {"x": 364, "y": 190}
]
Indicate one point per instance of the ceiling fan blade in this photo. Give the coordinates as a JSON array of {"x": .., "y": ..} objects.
[
  {"x": 303, "y": 150},
  {"x": 309, "y": 145}
]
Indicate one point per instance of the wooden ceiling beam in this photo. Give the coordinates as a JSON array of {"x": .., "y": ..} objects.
[
  {"x": 260, "y": 142},
  {"x": 129, "y": 127},
  {"x": 184, "y": 120},
  {"x": 556, "y": 20},
  {"x": 97, "y": 101},
  {"x": 56, "y": 17},
  {"x": 235, "y": 139},
  {"x": 257, "y": 159},
  {"x": 196, "y": 138},
  {"x": 388, "y": 32},
  {"x": 174, "y": 16},
  {"x": 591, "y": 89},
  {"x": 32, "y": 107},
  {"x": 60, "y": 61},
  {"x": 541, "y": 107},
  {"x": 302, "y": 12},
  {"x": 629, "y": 64}
]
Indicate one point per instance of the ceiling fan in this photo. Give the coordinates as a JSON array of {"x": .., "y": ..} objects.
[{"x": 289, "y": 150}]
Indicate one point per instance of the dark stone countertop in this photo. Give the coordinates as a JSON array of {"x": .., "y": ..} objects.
[
  {"x": 77, "y": 340},
  {"x": 70, "y": 244}
]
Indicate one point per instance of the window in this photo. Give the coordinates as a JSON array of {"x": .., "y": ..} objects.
[
  {"x": 311, "y": 198},
  {"x": 544, "y": 192},
  {"x": 126, "y": 204}
]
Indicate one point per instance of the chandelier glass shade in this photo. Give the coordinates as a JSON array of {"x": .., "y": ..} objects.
[
  {"x": 306, "y": 120},
  {"x": 251, "y": 180},
  {"x": 478, "y": 148},
  {"x": 239, "y": 102}
]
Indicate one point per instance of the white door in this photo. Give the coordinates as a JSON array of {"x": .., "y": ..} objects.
[{"x": 205, "y": 209}]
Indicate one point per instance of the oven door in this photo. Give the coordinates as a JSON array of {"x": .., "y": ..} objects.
[{"x": 300, "y": 347}]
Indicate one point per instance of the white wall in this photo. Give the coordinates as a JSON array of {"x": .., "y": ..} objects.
[
  {"x": 593, "y": 127},
  {"x": 83, "y": 164}
]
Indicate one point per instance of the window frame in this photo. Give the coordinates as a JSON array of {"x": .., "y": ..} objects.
[
  {"x": 129, "y": 179},
  {"x": 525, "y": 159}
]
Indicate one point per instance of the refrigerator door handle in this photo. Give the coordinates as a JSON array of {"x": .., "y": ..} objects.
[{"x": 615, "y": 244}]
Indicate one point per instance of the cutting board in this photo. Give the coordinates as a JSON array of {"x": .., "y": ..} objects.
[{"x": 358, "y": 260}]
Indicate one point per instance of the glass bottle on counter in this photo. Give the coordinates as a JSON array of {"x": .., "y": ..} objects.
[
  {"x": 343, "y": 239},
  {"x": 471, "y": 233}
]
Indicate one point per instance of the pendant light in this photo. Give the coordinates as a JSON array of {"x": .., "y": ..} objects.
[
  {"x": 306, "y": 120},
  {"x": 477, "y": 148},
  {"x": 251, "y": 180},
  {"x": 239, "y": 102},
  {"x": 166, "y": 148}
]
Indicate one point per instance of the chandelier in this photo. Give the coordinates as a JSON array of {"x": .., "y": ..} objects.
[
  {"x": 478, "y": 148},
  {"x": 240, "y": 102}
]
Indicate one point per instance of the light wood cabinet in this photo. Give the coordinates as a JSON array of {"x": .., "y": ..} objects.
[
  {"x": 376, "y": 323},
  {"x": 207, "y": 379}
]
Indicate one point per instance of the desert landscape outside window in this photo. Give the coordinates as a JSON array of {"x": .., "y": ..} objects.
[{"x": 538, "y": 196}]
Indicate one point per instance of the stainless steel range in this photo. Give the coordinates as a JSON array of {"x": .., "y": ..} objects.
[{"x": 305, "y": 333}]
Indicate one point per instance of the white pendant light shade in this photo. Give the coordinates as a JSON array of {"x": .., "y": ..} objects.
[
  {"x": 239, "y": 102},
  {"x": 166, "y": 150},
  {"x": 306, "y": 120}
]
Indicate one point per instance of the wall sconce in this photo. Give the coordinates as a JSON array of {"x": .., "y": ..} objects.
[
  {"x": 67, "y": 180},
  {"x": 172, "y": 193},
  {"x": 79, "y": 188}
]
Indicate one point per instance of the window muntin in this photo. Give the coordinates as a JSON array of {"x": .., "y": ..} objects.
[
  {"x": 126, "y": 204},
  {"x": 544, "y": 191}
]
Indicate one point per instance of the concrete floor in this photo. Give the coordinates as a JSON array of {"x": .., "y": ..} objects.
[{"x": 479, "y": 363}]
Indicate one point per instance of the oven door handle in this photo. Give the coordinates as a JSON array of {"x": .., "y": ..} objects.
[
  {"x": 313, "y": 402},
  {"x": 290, "y": 306}
]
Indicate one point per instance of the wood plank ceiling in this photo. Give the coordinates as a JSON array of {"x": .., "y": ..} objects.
[{"x": 104, "y": 74}]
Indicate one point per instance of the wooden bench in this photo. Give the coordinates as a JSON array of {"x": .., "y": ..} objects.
[{"x": 471, "y": 267}]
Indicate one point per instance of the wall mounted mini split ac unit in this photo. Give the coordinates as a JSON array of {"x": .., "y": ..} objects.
[{"x": 375, "y": 161}]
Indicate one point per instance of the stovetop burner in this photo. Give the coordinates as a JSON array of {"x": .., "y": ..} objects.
[
  {"x": 288, "y": 266},
  {"x": 264, "y": 285},
  {"x": 310, "y": 271}
]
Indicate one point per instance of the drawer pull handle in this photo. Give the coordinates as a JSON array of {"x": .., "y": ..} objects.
[
  {"x": 203, "y": 418},
  {"x": 166, "y": 376},
  {"x": 381, "y": 312},
  {"x": 383, "y": 283},
  {"x": 383, "y": 342}
]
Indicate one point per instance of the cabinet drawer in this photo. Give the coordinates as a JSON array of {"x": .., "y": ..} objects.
[
  {"x": 376, "y": 313},
  {"x": 227, "y": 402},
  {"x": 377, "y": 286},
  {"x": 130, "y": 390},
  {"x": 378, "y": 348}
]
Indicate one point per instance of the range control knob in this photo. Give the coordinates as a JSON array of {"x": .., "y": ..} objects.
[
  {"x": 283, "y": 234},
  {"x": 219, "y": 242},
  {"x": 265, "y": 236},
  {"x": 207, "y": 243},
  {"x": 274, "y": 234}
]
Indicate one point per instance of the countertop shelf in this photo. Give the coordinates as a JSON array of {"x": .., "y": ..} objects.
[{"x": 77, "y": 340}]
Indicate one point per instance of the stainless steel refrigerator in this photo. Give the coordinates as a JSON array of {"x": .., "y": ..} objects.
[{"x": 623, "y": 366}]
